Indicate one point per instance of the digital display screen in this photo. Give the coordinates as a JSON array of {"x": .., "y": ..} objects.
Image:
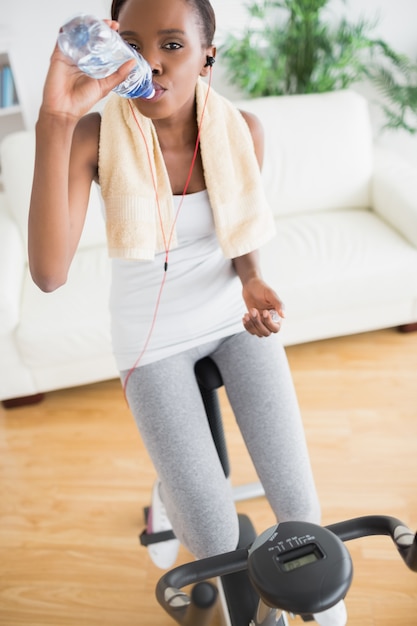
[
  {"x": 299, "y": 557},
  {"x": 288, "y": 566}
]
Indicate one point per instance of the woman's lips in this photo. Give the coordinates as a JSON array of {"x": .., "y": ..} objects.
[{"x": 159, "y": 92}]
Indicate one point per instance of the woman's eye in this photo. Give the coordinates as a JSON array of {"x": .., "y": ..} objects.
[
  {"x": 173, "y": 46},
  {"x": 133, "y": 45}
]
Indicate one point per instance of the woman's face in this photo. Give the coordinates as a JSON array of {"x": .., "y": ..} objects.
[{"x": 168, "y": 35}]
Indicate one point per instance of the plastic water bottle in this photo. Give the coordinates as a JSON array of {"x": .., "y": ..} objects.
[{"x": 99, "y": 51}]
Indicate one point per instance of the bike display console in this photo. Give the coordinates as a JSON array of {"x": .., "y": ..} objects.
[
  {"x": 300, "y": 567},
  {"x": 295, "y": 567}
]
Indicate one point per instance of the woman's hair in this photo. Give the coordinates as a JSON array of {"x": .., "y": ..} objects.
[{"x": 203, "y": 9}]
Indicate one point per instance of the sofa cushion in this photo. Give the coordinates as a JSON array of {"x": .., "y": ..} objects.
[
  {"x": 318, "y": 151},
  {"x": 395, "y": 193},
  {"x": 12, "y": 268},
  {"x": 339, "y": 272},
  {"x": 72, "y": 322}
]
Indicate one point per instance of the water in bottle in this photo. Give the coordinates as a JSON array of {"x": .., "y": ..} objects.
[{"x": 99, "y": 51}]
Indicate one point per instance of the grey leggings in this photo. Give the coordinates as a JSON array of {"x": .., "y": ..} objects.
[{"x": 166, "y": 403}]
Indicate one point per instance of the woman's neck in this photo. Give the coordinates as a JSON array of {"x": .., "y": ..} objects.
[{"x": 178, "y": 132}]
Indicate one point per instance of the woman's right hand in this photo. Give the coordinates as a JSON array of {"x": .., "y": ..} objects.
[{"x": 69, "y": 92}]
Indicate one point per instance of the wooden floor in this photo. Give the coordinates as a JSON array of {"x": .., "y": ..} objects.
[{"x": 74, "y": 479}]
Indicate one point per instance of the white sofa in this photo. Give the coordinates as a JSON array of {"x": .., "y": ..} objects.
[
  {"x": 344, "y": 258},
  {"x": 60, "y": 339}
]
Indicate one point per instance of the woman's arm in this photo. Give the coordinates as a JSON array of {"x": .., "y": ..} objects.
[
  {"x": 65, "y": 165},
  {"x": 259, "y": 298},
  {"x": 55, "y": 221}
]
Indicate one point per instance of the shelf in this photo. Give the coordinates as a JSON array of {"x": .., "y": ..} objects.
[
  {"x": 16, "y": 109},
  {"x": 11, "y": 117}
]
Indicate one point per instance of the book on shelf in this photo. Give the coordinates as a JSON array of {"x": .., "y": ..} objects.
[{"x": 8, "y": 95}]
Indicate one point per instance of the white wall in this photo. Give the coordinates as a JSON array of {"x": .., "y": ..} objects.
[{"x": 32, "y": 26}]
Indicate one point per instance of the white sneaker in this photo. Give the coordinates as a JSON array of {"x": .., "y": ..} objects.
[
  {"x": 164, "y": 553},
  {"x": 336, "y": 616}
]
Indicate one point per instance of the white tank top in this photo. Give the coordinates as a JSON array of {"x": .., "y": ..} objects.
[{"x": 201, "y": 300}]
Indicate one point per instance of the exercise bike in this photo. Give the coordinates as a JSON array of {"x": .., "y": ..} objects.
[{"x": 293, "y": 567}]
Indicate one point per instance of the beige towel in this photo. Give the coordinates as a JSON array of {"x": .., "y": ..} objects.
[{"x": 242, "y": 216}]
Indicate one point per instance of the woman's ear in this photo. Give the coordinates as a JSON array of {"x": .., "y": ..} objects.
[{"x": 210, "y": 61}]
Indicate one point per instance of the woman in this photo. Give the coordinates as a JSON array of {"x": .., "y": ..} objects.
[{"x": 185, "y": 214}]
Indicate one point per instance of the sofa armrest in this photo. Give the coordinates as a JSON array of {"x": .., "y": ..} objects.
[
  {"x": 395, "y": 193},
  {"x": 12, "y": 268}
]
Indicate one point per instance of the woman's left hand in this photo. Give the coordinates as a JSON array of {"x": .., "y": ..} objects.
[{"x": 262, "y": 303}]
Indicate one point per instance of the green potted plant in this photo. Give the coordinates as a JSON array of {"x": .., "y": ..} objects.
[
  {"x": 288, "y": 47},
  {"x": 399, "y": 88}
]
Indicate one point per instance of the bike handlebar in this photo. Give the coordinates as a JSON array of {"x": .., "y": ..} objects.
[
  {"x": 196, "y": 572},
  {"x": 176, "y": 603},
  {"x": 404, "y": 539}
]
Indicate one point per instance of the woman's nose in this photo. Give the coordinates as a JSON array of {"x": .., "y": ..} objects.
[{"x": 153, "y": 61}]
